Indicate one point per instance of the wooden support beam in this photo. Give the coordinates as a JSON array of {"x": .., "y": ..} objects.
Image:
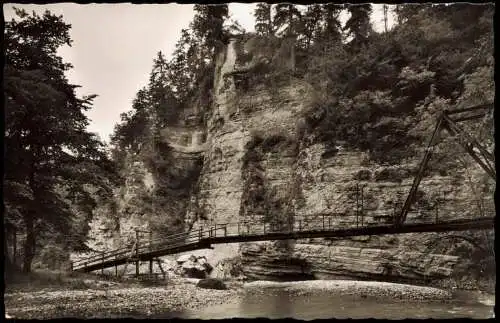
[
  {"x": 150, "y": 249},
  {"x": 158, "y": 261},
  {"x": 474, "y": 108},
  {"x": 454, "y": 129},
  {"x": 469, "y": 143},
  {"x": 137, "y": 253}
]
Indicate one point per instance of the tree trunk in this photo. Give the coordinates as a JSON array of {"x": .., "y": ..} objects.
[
  {"x": 29, "y": 222},
  {"x": 6, "y": 247},
  {"x": 292, "y": 58},
  {"x": 29, "y": 243}
]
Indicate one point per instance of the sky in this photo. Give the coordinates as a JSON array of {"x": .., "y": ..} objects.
[{"x": 114, "y": 46}]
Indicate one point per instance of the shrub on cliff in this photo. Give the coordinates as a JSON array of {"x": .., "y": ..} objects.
[
  {"x": 376, "y": 95},
  {"x": 391, "y": 175},
  {"x": 363, "y": 175}
]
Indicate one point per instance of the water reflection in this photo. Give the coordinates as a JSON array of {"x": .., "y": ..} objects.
[
  {"x": 278, "y": 303},
  {"x": 270, "y": 303}
]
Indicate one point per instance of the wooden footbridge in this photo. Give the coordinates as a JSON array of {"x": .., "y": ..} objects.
[
  {"x": 247, "y": 232},
  {"x": 323, "y": 226}
]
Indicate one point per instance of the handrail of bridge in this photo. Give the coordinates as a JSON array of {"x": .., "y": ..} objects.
[
  {"x": 233, "y": 229},
  {"x": 162, "y": 239},
  {"x": 196, "y": 236},
  {"x": 171, "y": 240},
  {"x": 182, "y": 235},
  {"x": 127, "y": 249}
]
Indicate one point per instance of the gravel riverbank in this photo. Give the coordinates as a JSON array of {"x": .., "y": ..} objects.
[
  {"x": 352, "y": 287},
  {"x": 113, "y": 302},
  {"x": 118, "y": 300}
]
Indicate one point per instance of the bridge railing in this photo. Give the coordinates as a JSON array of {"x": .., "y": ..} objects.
[
  {"x": 319, "y": 223},
  {"x": 154, "y": 245}
]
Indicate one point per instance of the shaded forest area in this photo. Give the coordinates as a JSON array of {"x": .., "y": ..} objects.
[{"x": 376, "y": 91}]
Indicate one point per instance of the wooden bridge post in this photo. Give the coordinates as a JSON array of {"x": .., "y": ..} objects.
[
  {"x": 200, "y": 233},
  {"x": 14, "y": 252},
  {"x": 357, "y": 205},
  {"x": 437, "y": 212},
  {"x": 215, "y": 230},
  {"x": 362, "y": 206},
  {"x": 394, "y": 213},
  {"x": 137, "y": 252},
  {"x": 71, "y": 266},
  {"x": 225, "y": 229},
  {"x": 300, "y": 225},
  {"x": 150, "y": 250},
  {"x": 329, "y": 222},
  {"x": 102, "y": 262},
  {"x": 323, "y": 223},
  {"x": 264, "y": 227},
  {"x": 238, "y": 227}
]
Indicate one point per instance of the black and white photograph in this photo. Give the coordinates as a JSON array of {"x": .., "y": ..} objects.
[{"x": 278, "y": 160}]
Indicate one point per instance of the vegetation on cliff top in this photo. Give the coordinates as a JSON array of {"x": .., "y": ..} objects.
[{"x": 381, "y": 92}]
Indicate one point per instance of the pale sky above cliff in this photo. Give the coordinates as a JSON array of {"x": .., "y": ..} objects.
[{"x": 114, "y": 46}]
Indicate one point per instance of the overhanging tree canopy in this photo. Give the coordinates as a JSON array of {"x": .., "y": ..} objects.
[{"x": 51, "y": 159}]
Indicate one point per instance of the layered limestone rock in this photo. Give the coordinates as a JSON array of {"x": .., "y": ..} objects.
[
  {"x": 234, "y": 121},
  {"x": 323, "y": 182},
  {"x": 327, "y": 185},
  {"x": 251, "y": 160},
  {"x": 113, "y": 225}
]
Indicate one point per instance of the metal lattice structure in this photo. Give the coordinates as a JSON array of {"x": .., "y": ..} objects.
[{"x": 449, "y": 120}]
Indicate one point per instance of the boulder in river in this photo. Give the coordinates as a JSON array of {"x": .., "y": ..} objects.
[
  {"x": 203, "y": 261},
  {"x": 193, "y": 269},
  {"x": 211, "y": 283},
  {"x": 191, "y": 266},
  {"x": 189, "y": 257}
]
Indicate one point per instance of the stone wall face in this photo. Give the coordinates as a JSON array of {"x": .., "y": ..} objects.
[{"x": 325, "y": 185}]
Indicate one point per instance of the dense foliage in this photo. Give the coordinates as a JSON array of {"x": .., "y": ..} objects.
[
  {"x": 183, "y": 81},
  {"x": 175, "y": 87},
  {"x": 55, "y": 170},
  {"x": 381, "y": 92}
]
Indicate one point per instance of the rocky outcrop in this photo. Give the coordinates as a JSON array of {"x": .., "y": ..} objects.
[
  {"x": 252, "y": 159},
  {"x": 191, "y": 266},
  {"x": 211, "y": 283},
  {"x": 314, "y": 180},
  {"x": 308, "y": 260}
]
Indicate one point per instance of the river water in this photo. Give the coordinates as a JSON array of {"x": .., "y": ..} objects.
[{"x": 278, "y": 303}]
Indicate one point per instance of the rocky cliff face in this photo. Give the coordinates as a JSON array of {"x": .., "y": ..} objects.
[{"x": 259, "y": 164}]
